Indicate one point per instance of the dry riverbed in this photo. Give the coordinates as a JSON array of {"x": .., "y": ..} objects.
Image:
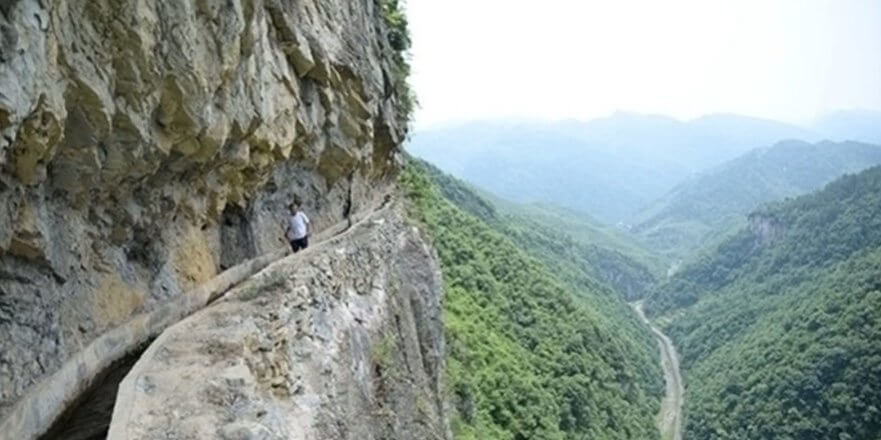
[{"x": 670, "y": 417}]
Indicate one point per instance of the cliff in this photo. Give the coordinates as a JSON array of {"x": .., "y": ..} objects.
[
  {"x": 149, "y": 146},
  {"x": 343, "y": 341}
]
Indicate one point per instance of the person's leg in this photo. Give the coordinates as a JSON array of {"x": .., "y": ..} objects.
[{"x": 298, "y": 245}]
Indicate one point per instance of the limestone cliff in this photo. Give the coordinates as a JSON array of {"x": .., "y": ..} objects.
[
  {"x": 146, "y": 146},
  {"x": 765, "y": 228}
]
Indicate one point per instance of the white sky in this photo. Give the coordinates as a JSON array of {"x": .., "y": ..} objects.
[{"x": 788, "y": 60}]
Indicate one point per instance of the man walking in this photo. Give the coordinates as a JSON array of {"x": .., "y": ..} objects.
[{"x": 298, "y": 227}]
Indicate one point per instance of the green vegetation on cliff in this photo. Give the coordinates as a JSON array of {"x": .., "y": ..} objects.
[
  {"x": 399, "y": 39},
  {"x": 780, "y": 327},
  {"x": 533, "y": 353}
]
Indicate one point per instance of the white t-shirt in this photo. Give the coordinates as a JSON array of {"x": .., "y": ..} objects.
[{"x": 297, "y": 226}]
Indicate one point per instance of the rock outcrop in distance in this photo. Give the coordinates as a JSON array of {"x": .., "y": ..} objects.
[{"x": 146, "y": 146}]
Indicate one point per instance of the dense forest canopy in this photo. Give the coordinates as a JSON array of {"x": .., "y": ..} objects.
[
  {"x": 779, "y": 327},
  {"x": 534, "y": 351},
  {"x": 567, "y": 241}
]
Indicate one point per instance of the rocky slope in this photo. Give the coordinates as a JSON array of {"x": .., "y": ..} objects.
[{"x": 147, "y": 146}]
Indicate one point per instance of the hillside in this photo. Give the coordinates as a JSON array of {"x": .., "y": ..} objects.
[
  {"x": 718, "y": 201},
  {"x": 779, "y": 327},
  {"x": 562, "y": 239},
  {"x": 533, "y": 352},
  {"x": 609, "y": 167}
]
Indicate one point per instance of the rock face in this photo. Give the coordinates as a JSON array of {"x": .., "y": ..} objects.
[
  {"x": 765, "y": 228},
  {"x": 343, "y": 341},
  {"x": 147, "y": 145}
]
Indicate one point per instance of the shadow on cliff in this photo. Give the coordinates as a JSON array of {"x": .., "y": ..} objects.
[{"x": 88, "y": 417}]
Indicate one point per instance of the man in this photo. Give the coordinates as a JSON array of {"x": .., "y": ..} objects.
[{"x": 298, "y": 227}]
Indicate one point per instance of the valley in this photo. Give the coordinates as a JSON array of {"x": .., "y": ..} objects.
[
  {"x": 670, "y": 416},
  {"x": 411, "y": 219},
  {"x": 780, "y": 232},
  {"x": 538, "y": 348}
]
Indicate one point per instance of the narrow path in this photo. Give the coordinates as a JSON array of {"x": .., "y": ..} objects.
[
  {"x": 44, "y": 410},
  {"x": 670, "y": 417}
]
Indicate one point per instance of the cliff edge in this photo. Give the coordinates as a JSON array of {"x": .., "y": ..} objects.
[{"x": 147, "y": 146}]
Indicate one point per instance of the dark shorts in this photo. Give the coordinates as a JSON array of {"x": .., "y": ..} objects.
[{"x": 300, "y": 244}]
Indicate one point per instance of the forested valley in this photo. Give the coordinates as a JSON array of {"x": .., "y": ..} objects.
[
  {"x": 770, "y": 292},
  {"x": 780, "y": 326},
  {"x": 537, "y": 347}
]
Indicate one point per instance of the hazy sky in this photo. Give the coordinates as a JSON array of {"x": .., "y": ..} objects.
[{"x": 555, "y": 59}]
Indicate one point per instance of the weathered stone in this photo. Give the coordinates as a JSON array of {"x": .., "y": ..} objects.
[
  {"x": 350, "y": 126},
  {"x": 37, "y": 140},
  {"x": 129, "y": 127},
  {"x": 347, "y": 334},
  {"x": 358, "y": 107},
  {"x": 27, "y": 239},
  {"x": 299, "y": 56}
]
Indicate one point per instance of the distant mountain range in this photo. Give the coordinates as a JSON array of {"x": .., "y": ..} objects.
[
  {"x": 719, "y": 200},
  {"x": 613, "y": 167},
  {"x": 857, "y": 125}
]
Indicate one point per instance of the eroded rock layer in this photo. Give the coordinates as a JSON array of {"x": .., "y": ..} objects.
[{"x": 146, "y": 145}]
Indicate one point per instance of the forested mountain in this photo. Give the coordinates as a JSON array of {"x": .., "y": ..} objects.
[
  {"x": 562, "y": 238},
  {"x": 719, "y": 200},
  {"x": 780, "y": 326},
  {"x": 566, "y": 240},
  {"x": 609, "y": 167},
  {"x": 533, "y": 351}
]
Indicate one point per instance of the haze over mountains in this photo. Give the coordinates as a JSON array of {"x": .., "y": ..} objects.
[
  {"x": 613, "y": 167},
  {"x": 862, "y": 125},
  {"x": 160, "y": 277},
  {"x": 718, "y": 200}
]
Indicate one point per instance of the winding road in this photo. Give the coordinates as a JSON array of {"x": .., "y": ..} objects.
[{"x": 670, "y": 417}]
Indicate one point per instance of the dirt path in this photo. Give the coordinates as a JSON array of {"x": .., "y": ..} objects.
[{"x": 670, "y": 417}]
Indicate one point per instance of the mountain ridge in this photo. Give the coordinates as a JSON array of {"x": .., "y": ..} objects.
[
  {"x": 609, "y": 167},
  {"x": 719, "y": 199}
]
